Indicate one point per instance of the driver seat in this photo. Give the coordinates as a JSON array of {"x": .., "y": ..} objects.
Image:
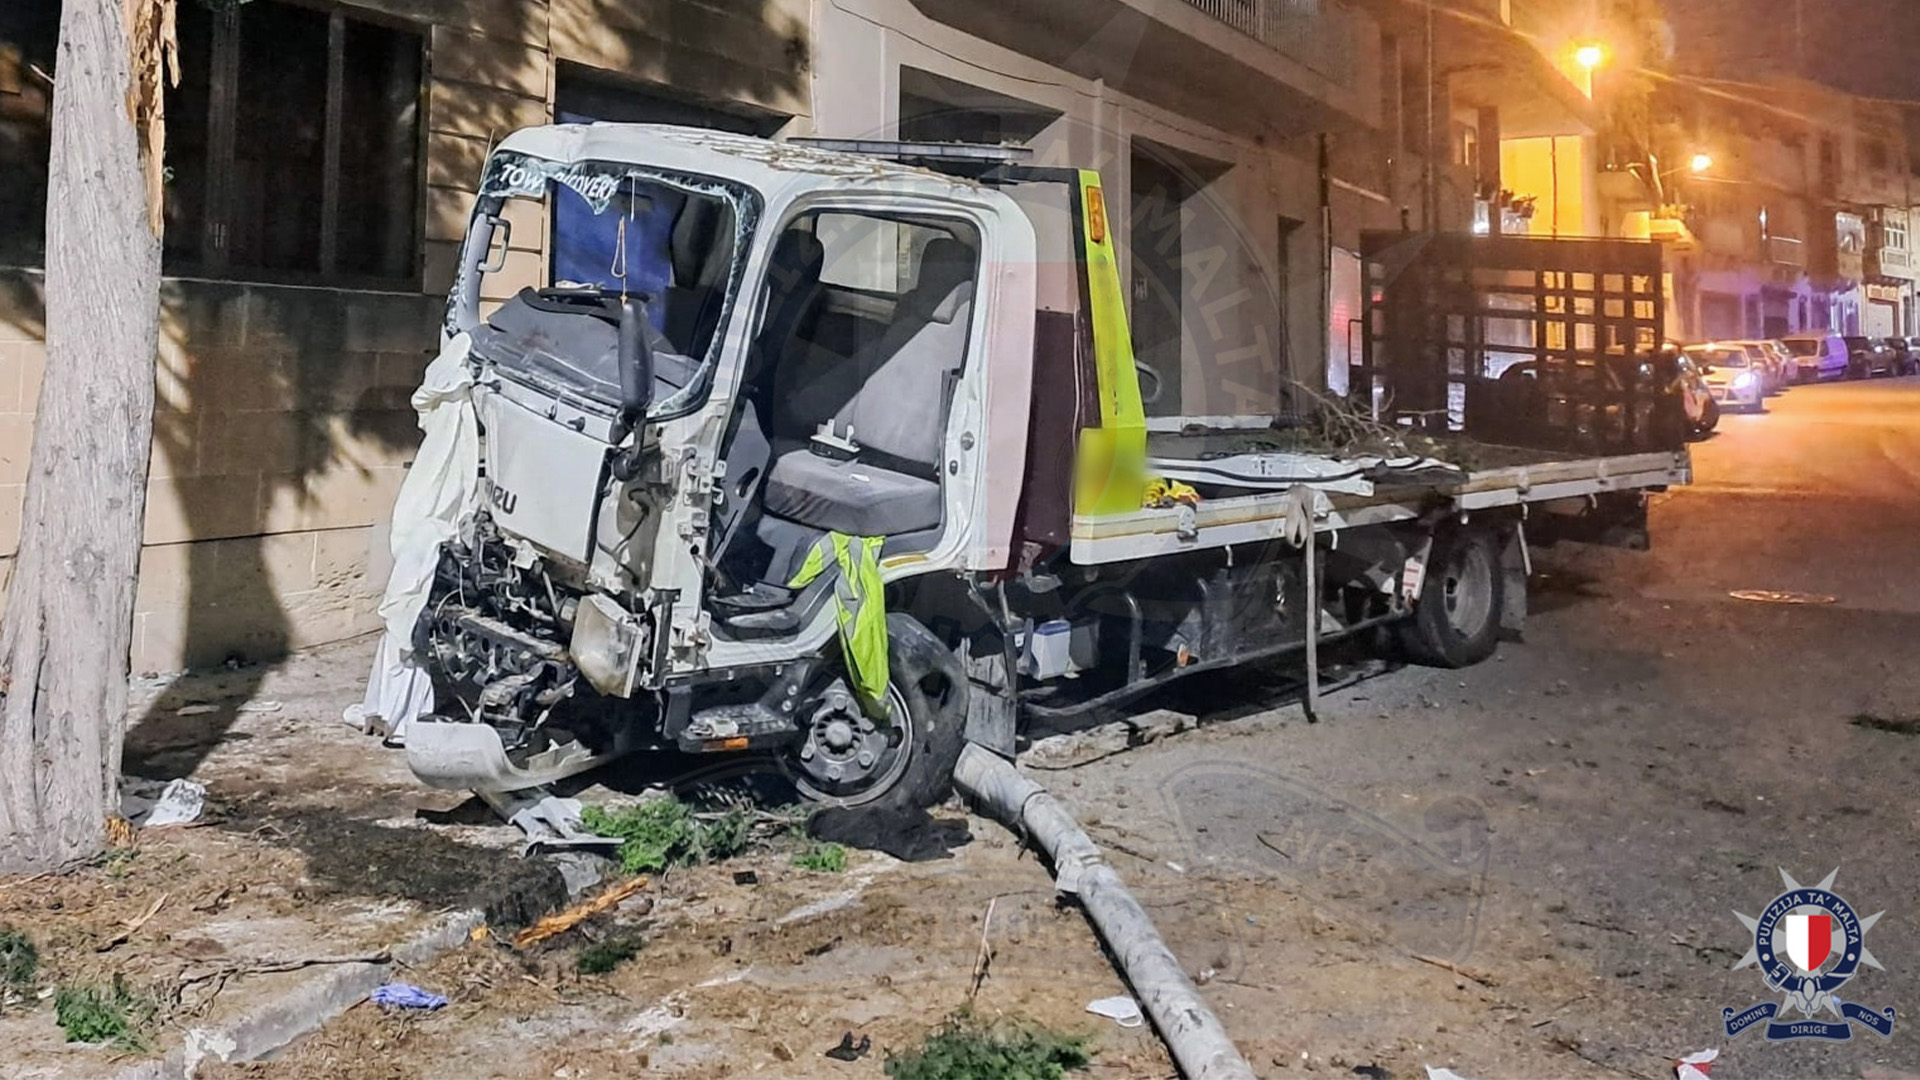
[{"x": 895, "y": 421}]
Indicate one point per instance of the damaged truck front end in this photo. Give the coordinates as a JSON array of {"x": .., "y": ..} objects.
[{"x": 543, "y": 631}]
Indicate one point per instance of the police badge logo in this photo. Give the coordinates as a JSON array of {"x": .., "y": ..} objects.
[{"x": 1808, "y": 943}]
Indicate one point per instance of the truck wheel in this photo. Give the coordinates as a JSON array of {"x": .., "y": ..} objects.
[
  {"x": 846, "y": 759},
  {"x": 1456, "y": 621},
  {"x": 1709, "y": 419}
]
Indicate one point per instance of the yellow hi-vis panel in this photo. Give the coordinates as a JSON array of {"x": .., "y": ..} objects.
[{"x": 1111, "y": 467}]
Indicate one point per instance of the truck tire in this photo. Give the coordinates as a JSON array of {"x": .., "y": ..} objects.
[
  {"x": 927, "y": 689},
  {"x": 1709, "y": 419},
  {"x": 1456, "y": 621}
]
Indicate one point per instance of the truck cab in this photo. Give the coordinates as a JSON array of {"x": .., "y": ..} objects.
[{"x": 825, "y": 346}]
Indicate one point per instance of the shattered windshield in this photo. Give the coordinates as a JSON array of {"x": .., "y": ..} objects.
[{"x": 674, "y": 240}]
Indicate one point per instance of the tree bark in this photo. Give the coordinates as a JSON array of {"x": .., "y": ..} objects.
[{"x": 69, "y": 614}]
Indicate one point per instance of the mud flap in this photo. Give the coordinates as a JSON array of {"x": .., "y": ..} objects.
[
  {"x": 991, "y": 714},
  {"x": 1516, "y": 565}
]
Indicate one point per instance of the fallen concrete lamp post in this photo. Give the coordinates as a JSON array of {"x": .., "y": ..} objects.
[{"x": 1193, "y": 1035}]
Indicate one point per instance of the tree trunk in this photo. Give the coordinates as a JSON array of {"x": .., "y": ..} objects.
[{"x": 69, "y": 613}]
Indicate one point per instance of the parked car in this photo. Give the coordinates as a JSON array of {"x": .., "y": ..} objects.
[
  {"x": 1906, "y": 355},
  {"x": 1818, "y": 357},
  {"x": 1783, "y": 359},
  {"x": 1913, "y": 356},
  {"x": 1703, "y": 413},
  {"x": 1774, "y": 365},
  {"x": 1867, "y": 357},
  {"x": 1735, "y": 379}
]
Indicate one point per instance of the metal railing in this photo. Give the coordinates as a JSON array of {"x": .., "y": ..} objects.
[{"x": 1318, "y": 34}]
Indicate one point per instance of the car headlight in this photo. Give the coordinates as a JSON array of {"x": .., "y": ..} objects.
[{"x": 1745, "y": 380}]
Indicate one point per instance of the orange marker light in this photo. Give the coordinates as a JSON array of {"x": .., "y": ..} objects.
[
  {"x": 737, "y": 743},
  {"x": 1097, "y": 215}
]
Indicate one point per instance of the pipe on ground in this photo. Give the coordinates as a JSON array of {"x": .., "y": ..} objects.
[{"x": 1193, "y": 1035}]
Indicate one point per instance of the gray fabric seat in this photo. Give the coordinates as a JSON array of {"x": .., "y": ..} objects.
[
  {"x": 851, "y": 497},
  {"x": 896, "y": 416}
]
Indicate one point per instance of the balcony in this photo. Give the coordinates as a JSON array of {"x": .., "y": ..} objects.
[
  {"x": 1291, "y": 66},
  {"x": 1887, "y": 262},
  {"x": 1786, "y": 251}
]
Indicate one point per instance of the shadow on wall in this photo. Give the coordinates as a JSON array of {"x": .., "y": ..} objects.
[
  {"x": 280, "y": 426},
  {"x": 282, "y": 417}
]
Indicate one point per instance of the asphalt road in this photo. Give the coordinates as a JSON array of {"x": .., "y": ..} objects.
[{"x": 1579, "y": 819}]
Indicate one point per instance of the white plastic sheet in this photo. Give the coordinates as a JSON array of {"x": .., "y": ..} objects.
[{"x": 440, "y": 491}]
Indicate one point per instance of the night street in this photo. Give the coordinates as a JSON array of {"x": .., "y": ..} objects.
[{"x": 1647, "y": 761}]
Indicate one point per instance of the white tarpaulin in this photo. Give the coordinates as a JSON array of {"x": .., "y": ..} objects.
[{"x": 439, "y": 493}]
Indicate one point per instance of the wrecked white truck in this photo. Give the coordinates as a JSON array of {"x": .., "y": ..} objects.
[{"x": 836, "y": 454}]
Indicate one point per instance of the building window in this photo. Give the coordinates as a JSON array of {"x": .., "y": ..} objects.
[
  {"x": 28, "y": 29},
  {"x": 1894, "y": 234},
  {"x": 294, "y": 146}
]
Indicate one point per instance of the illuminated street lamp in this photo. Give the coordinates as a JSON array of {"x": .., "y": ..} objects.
[
  {"x": 1700, "y": 163},
  {"x": 1590, "y": 56}
]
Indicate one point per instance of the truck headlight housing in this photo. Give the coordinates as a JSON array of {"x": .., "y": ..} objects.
[
  {"x": 606, "y": 647},
  {"x": 1745, "y": 380}
]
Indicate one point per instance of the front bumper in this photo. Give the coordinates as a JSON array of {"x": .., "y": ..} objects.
[{"x": 1745, "y": 397}]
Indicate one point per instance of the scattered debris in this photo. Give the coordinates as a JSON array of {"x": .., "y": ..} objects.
[
  {"x": 1372, "y": 1072},
  {"x": 1443, "y": 1074},
  {"x": 261, "y": 707},
  {"x": 983, "y": 956},
  {"x": 1770, "y": 596},
  {"x": 181, "y": 802},
  {"x": 1906, "y": 725},
  {"x": 609, "y": 954},
  {"x": 848, "y": 1050},
  {"x": 132, "y": 926},
  {"x": 1695, "y": 1066},
  {"x": 963, "y": 1049},
  {"x": 1481, "y": 977},
  {"x": 113, "y": 1014},
  {"x": 562, "y": 921},
  {"x": 19, "y": 964},
  {"x": 745, "y": 877},
  {"x": 656, "y": 834},
  {"x": 405, "y": 996},
  {"x": 196, "y": 709},
  {"x": 827, "y": 858},
  {"x": 1122, "y": 1010}
]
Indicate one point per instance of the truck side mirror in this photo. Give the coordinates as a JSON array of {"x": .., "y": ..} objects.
[{"x": 636, "y": 362}]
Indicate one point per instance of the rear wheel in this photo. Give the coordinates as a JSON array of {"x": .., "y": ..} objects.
[
  {"x": 1456, "y": 621},
  {"x": 846, "y": 758},
  {"x": 1709, "y": 418}
]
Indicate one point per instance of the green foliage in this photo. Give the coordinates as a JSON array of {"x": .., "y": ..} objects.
[
  {"x": 725, "y": 837},
  {"x": 609, "y": 954},
  {"x": 822, "y": 858},
  {"x": 661, "y": 833},
  {"x": 19, "y": 962},
  {"x": 112, "y": 1014},
  {"x": 965, "y": 1050}
]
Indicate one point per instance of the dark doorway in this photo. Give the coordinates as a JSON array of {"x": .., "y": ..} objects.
[
  {"x": 1160, "y": 194},
  {"x": 934, "y": 108},
  {"x": 582, "y": 95}
]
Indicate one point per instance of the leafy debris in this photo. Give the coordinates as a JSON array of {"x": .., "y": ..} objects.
[
  {"x": 113, "y": 1014},
  {"x": 963, "y": 1049},
  {"x": 826, "y": 858}
]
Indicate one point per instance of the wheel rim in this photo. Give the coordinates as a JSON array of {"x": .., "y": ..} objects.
[
  {"x": 828, "y": 766},
  {"x": 1468, "y": 590}
]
